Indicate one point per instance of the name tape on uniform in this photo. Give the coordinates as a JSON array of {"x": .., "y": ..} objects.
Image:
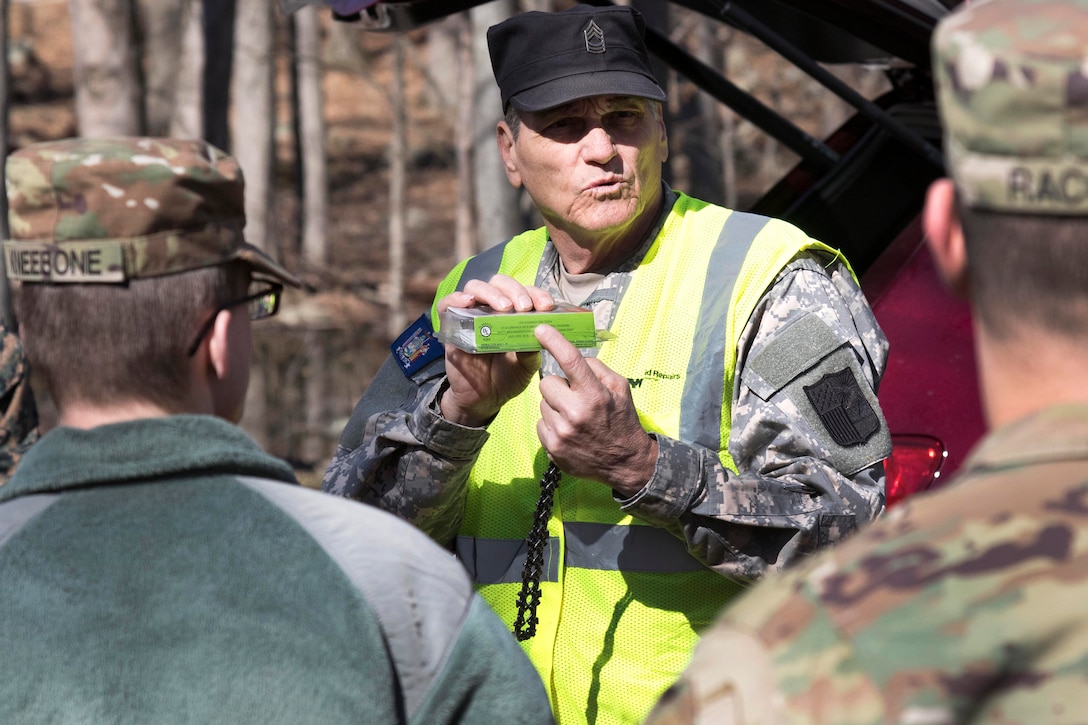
[{"x": 81, "y": 263}]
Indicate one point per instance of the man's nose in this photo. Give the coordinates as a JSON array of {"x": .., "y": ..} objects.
[{"x": 598, "y": 144}]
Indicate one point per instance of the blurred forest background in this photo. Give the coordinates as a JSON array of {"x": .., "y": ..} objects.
[{"x": 369, "y": 157}]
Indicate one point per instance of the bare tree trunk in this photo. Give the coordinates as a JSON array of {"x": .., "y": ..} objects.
[
  {"x": 464, "y": 230},
  {"x": 106, "y": 68},
  {"x": 701, "y": 147},
  {"x": 398, "y": 163},
  {"x": 311, "y": 114},
  {"x": 6, "y": 313},
  {"x": 256, "y": 416},
  {"x": 498, "y": 214},
  {"x": 254, "y": 114},
  {"x": 444, "y": 41},
  {"x": 729, "y": 138},
  {"x": 187, "y": 119},
  {"x": 161, "y": 42},
  {"x": 219, "y": 56},
  {"x": 315, "y": 445}
]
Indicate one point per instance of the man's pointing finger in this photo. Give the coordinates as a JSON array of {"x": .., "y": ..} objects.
[{"x": 566, "y": 354}]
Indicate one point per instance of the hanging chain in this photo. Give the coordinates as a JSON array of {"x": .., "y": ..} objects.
[{"x": 529, "y": 596}]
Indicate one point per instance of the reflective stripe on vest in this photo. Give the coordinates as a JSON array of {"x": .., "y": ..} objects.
[
  {"x": 500, "y": 561},
  {"x": 701, "y": 424},
  {"x": 589, "y": 546}
]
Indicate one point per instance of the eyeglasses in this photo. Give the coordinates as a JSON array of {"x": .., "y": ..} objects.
[{"x": 263, "y": 303}]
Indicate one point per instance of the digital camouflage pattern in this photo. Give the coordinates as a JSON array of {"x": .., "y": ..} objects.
[
  {"x": 412, "y": 462},
  {"x": 964, "y": 606},
  {"x": 106, "y": 210},
  {"x": 1012, "y": 82},
  {"x": 18, "y": 410}
]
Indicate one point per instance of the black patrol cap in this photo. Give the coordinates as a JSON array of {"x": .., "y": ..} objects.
[{"x": 543, "y": 60}]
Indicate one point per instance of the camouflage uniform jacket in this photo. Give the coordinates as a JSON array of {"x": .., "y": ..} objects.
[
  {"x": 964, "y": 605},
  {"x": 788, "y": 497},
  {"x": 18, "y": 412}
]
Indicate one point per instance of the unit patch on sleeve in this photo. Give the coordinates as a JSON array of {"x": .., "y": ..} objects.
[
  {"x": 843, "y": 409},
  {"x": 417, "y": 346}
]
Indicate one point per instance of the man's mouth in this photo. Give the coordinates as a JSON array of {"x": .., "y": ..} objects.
[{"x": 605, "y": 185}]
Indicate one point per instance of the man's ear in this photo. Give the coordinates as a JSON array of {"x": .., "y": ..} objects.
[
  {"x": 944, "y": 235},
  {"x": 219, "y": 342},
  {"x": 663, "y": 144},
  {"x": 505, "y": 138}
]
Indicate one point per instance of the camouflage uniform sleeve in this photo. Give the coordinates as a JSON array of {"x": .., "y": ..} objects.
[
  {"x": 18, "y": 409},
  {"x": 807, "y": 434},
  {"x": 411, "y": 462},
  {"x": 962, "y": 606},
  {"x": 741, "y": 689},
  {"x": 763, "y": 681}
]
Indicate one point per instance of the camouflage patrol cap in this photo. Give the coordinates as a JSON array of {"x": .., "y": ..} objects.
[
  {"x": 108, "y": 210},
  {"x": 1012, "y": 85}
]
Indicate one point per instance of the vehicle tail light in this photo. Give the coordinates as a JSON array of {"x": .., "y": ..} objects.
[{"x": 913, "y": 466}]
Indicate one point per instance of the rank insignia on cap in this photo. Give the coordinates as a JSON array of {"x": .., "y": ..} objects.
[
  {"x": 843, "y": 409},
  {"x": 594, "y": 38}
]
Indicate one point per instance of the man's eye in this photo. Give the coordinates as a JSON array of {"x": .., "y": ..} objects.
[{"x": 562, "y": 127}]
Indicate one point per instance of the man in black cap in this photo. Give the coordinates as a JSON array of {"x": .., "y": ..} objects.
[{"x": 727, "y": 427}]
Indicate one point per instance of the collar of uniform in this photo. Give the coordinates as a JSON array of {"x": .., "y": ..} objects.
[
  {"x": 140, "y": 451},
  {"x": 1054, "y": 434}
]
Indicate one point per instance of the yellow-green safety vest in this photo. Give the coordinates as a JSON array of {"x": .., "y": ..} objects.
[{"x": 623, "y": 602}]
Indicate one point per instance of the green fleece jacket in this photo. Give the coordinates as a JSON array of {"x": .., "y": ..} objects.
[{"x": 166, "y": 571}]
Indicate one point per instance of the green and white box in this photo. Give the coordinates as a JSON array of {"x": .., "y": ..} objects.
[{"x": 482, "y": 329}]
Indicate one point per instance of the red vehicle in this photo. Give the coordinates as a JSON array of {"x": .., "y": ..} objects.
[
  {"x": 869, "y": 201},
  {"x": 862, "y": 189}
]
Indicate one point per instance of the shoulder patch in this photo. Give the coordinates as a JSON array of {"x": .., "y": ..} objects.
[
  {"x": 839, "y": 402},
  {"x": 416, "y": 346},
  {"x": 795, "y": 349}
]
